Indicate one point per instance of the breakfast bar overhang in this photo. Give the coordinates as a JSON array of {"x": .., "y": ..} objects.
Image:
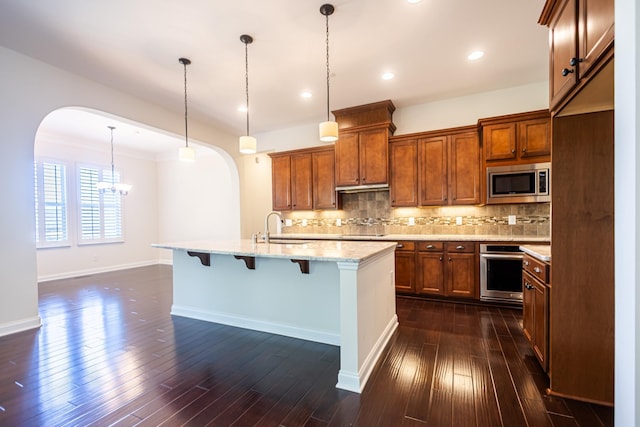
[{"x": 334, "y": 292}]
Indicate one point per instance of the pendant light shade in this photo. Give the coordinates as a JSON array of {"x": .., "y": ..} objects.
[
  {"x": 112, "y": 185},
  {"x": 247, "y": 144},
  {"x": 328, "y": 129},
  {"x": 186, "y": 153}
]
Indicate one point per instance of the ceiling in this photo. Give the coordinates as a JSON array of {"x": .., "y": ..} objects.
[{"x": 134, "y": 46}]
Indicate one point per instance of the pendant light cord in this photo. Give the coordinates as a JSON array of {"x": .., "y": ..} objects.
[
  {"x": 246, "y": 79},
  {"x": 327, "y": 25},
  {"x": 186, "y": 129}
]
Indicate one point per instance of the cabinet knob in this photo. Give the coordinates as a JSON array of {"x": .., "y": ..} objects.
[
  {"x": 524, "y": 150},
  {"x": 440, "y": 258},
  {"x": 575, "y": 61},
  {"x": 566, "y": 72},
  {"x": 449, "y": 259},
  {"x": 536, "y": 269},
  {"x": 525, "y": 262},
  {"x": 513, "y": 151},
  {"x": 528, "y": 285}
]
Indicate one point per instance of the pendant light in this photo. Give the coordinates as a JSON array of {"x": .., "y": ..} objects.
[
  {"x": 186, "y": 153},
  {"x": 328, "y": 129},
  {"x": 247, "y": 143},
  {"x": 114, "y": 186}
]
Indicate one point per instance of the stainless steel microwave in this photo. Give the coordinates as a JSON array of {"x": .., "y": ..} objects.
[{"x": 519, "y": 183}]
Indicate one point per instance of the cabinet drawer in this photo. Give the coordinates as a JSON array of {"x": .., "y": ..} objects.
[
  {"x": 536, "y": 268},
  {"x": 430, "y": 246},
  {"x": 464, "y": 247},
  {"x": 406, "y": 246}
]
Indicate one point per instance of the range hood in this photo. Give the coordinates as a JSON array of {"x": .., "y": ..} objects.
[{"x": 362, "y": 188}]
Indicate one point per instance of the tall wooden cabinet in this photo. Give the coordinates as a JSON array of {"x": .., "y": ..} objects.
[{"x": 581, "y": 34}]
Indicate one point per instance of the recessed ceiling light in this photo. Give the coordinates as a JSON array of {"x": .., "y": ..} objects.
[
  {"x": 242, "y": 108},
  {"x": 388, "y": 76},
  {"x": 306, "y": 94},
  {"x": 413, "y": 1},
  {"x": 475, "y": 55}
]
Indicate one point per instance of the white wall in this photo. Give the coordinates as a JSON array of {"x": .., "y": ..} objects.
[
  {"x": 30, "y": 90},
  {"x": 197, "y": 201},
  {"x": 627, "y": 213}
]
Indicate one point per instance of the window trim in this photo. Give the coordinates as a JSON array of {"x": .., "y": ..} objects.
[{"x": 40, "y": 232}]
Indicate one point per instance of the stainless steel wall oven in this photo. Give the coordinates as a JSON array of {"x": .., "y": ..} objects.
[{"x": 501, "y": 273}]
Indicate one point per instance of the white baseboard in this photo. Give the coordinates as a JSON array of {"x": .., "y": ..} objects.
[
  {"x": 355, "y": 382},
  {"x": 258, "y": 325},
  {"x": 20, "y": 325},
  {"x": 78, "y": 273}
]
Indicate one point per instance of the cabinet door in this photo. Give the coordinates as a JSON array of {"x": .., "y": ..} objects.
[
  {"x": 563, "y": 44},
  {"x": 404, "y": 173},
  {"x": 461, "y": 277},
  {"x": 540, "y": 319},
  {"x": 534, "y": 138},
  {"x": 301, "y": 182},
  {"x": 405, "y": 271},
  {"x": 324, "y": 183},
  {"x": 464, "y": 169},
  {"x": 347, "y": 160},
  {"x": 528, "y": 296},
  {"x": 281, "y": 182},
  {"x": 499, "y": 141},
  {"x": 432, "y": 183},
  {"x": 430, "y": 273},
  {"x": 374, "y": 157},
  {"x": 595, "y": 31}
]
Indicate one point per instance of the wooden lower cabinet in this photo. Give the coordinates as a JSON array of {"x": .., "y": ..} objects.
[
  {"x": 535, "y": 313},
  {"x": 447, "y": 269},
  {"x": 405, "y": 267}
]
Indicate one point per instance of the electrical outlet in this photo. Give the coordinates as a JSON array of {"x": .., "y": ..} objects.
[
  {"x": 304, "y": 222},
  {"x": 412, "y": 221},
  {"x": 458, "y": 220},
  {"x": 512, "y": 220},
  {"x": 338, "y": 222},
  {"x": 288, "y": 222}
]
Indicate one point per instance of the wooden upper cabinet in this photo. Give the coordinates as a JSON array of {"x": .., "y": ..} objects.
[
  {"x": 516, "y": 138},
  {"x": 281, "y": 182},
  {"x": 433, "y": 184},
  {"x": 374, "y": 156},
  {"x": 301, "y": 182},
  {"x": 580, "y": 34},
  {"x": 464, "y": 169},
  {"x": 347, "y": 159},
  {"x": 403, "y": 185},
  {"x": 324, "y": 187},
  {"x": 304, "y": 179}
]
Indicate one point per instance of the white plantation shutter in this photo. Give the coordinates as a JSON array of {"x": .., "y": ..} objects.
[
  {"x": 50, "y": 183},
  {"x": 100, "y": 214}
]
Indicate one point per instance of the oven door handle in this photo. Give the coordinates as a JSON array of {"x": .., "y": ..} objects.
[{"x": 500, "y": 256}]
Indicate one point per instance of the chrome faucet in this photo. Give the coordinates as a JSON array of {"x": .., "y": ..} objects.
[{"x": 266, "y": 224}]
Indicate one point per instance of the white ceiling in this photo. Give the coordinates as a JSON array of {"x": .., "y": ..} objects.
[{"x": 134, "y": 46}]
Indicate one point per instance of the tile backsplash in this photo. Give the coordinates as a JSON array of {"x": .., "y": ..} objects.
[{"x": 370, "y": 213}]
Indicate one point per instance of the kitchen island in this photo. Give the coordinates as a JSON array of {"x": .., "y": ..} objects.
[{"x": 339, "y": 293}]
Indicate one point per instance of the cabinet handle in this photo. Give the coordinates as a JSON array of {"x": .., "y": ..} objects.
[
  {"x": 575, "y": 61},
  {"x": 399, "y": 246},
  {"x": 566, "y": 72},
  {"x": 430, "y": 247},
  {"x": 536, "y": 269},
  {"x": 459, "y": 247},
  {"x": 525, "y": 262}
]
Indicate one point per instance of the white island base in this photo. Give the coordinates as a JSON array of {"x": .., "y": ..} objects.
[{"x": 347, "y": 297}]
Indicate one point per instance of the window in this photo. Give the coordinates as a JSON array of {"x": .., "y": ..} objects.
[
  {"x": 100, "y": 213},
  {"x": 50, "y": 184}
]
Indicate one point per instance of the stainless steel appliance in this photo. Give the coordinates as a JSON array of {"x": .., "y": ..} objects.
[
  {"x": 519, "y": 183},
  {"x": 501, "y": 273}
]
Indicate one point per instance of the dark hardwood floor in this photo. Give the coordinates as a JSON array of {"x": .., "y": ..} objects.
[{"x": 109, "y": 353}]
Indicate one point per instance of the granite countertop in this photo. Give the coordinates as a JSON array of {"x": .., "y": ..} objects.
[
  {"x": 541, "y": 252},
  {"x": 343, "y": 251},
  {"x": 430, "y": 237}
]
